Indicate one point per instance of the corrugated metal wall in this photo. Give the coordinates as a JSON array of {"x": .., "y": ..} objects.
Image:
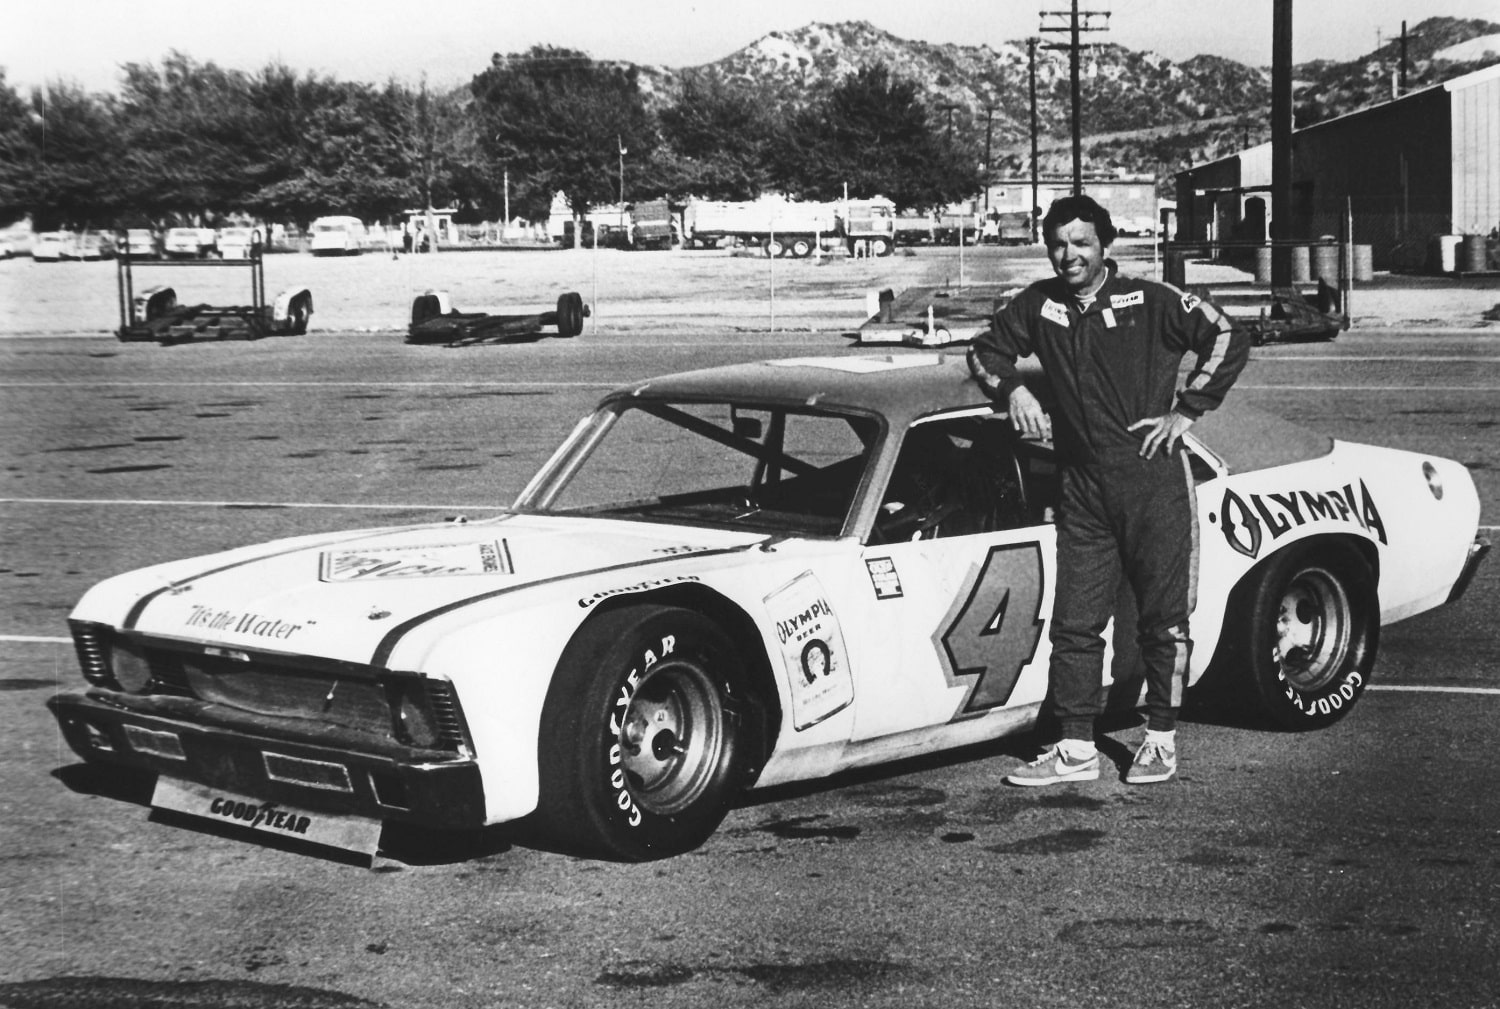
[{"x": 1476, "y": 152}]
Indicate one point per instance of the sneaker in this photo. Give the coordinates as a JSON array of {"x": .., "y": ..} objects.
[
  {"x": 1052, "y": 767},
  {"x": 1153, "y": 762}
]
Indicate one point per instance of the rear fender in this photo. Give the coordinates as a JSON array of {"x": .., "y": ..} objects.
[{"x": 445, "y": 301}]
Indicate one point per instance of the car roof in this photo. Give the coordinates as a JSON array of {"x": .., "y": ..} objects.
[{"x": 907, "y": 385}]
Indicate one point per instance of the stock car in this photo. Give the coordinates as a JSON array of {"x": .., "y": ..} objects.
[{"x": 722, "y": 580}]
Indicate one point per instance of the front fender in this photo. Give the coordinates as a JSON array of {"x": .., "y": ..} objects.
[{"x": 282, "y": 307}]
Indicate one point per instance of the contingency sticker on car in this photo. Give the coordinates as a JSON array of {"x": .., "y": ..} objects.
[
  {"x": 350, "y": 833},
  {"x": 812, "y": 650},
  {"x": 432, "y": 560}
]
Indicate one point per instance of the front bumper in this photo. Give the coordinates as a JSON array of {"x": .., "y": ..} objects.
[{"x": 389, "y": 783}]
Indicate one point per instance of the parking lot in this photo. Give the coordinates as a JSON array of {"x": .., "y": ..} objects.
[{"x": 1352, "y": 867}]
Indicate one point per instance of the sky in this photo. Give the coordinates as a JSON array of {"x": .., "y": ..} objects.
[{"x": 447, "y": 42}]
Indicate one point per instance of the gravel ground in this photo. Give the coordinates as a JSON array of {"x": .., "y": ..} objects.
[{"x": 659, "y": 291}]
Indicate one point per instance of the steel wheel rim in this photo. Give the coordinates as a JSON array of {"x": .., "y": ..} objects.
[
  {"x": 672, "y": 737},
  {"x": 1314, "y": 630}
]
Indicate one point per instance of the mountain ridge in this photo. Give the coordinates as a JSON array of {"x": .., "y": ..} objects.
[{"x": 1142, "y": 113}]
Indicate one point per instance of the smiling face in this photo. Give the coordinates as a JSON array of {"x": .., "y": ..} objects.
[{"x": 1077, "y": 255}]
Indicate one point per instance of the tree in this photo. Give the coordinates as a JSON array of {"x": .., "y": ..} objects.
[
  {"x": 557, "y": 121},
  {"x": 73, "y": 159},
  {"x": 16, "y": 154},
  {"x": 715, "y": 140},
  {"x": 873, "y": 134}
]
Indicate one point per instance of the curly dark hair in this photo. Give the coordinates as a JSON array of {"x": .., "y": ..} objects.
[{"x": 1080, "y": 208}]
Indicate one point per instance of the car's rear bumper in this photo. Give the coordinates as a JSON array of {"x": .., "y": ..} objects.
[
  {"x": 425, "y": 787},
  {"x": 1477, "y": 550}
]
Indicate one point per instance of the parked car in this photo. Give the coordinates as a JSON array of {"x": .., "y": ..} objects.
[
  {"x": 338, "y": 236},
  {"x": 140, "y": 243},
  {"x": 727, "y": 579},
  {"x": 189, "y": 243},
  {"x": 48, "y": 247},
  {"x": 235, "y": 242}
]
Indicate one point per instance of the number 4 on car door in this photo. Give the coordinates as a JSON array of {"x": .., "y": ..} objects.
[{"x": 994, "y": 635}]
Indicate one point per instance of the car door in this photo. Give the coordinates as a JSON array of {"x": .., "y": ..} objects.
[{"x": 961, "y": 573}]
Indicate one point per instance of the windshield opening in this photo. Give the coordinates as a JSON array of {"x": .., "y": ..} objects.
[{"x": 760, "y": 468}]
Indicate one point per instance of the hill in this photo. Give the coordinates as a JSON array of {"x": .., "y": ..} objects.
[{"x": 1142, "y": 113}]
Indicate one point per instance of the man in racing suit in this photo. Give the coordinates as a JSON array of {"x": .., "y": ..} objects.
[{"x": 1111, "y": 347}]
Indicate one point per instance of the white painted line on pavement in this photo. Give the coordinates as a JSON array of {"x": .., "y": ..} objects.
[
  {"x": 268, "y": 505},
  {"x": 30, "y": 639},
  {"x": 1418, "y": 689},
  {"x": 311, "y": 385},
  {"x": 1369, "y": 388}
]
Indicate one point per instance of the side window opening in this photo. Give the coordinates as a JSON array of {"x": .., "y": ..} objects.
[{"x": 962, "y": 477}]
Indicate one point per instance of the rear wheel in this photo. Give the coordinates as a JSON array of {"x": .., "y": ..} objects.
[
  {"x": 645, "y": 734},
  {"x": 773, "y": 247},
  {"x": 880, "y": 246},
  {"x": 801, "y": 248},
  {"x": 570, "y": 314},
  {"x": 424, "y": 307},
  {"x": 1308, "y": 630}
]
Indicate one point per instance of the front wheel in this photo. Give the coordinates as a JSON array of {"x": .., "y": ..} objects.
[
  {"x": 645, "y": 736},
  {"x": 1310, "y": 625},
  {"x": 299, "y": 313}
]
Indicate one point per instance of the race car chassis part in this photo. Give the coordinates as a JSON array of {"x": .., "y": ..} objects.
[
  {"x": 1284, "y": 314},
  {"x": 154, "y": 314},
  {"x": 431, "y": 322}
]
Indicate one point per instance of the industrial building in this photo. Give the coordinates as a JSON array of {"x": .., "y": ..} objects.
[{"x": 1418, "y": 176}]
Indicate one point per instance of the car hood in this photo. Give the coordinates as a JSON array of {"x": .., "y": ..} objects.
[{"x": 343, "y": 597}]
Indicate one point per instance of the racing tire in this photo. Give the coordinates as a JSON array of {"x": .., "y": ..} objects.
[
  {"x": 299, "y": 314},
  {"x": 569, "y": 314},
  {"x": 160, "y": 303},
  {"x": 1307, "y": 633},
  {"x": 645, "y": 735},
  {"x": 424, "y": 307}
]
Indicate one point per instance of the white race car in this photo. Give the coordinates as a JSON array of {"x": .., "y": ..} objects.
[{"x": 726, "y": 579}]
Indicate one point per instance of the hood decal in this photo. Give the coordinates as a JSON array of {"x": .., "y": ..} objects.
[
  {"x": 421, "y": 560},
  {"x": 133, "y": 617}
]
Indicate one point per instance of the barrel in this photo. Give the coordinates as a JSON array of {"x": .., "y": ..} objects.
[
  {"x": 1475, "y": 258},
  {"x": 1325, "y": 263},
  {"x": 1364, "y": 262},
  {"x": 1445, "y": 252},
  {"x": 1263, "y": 264},
  {"x": 1301, "y": 270}
]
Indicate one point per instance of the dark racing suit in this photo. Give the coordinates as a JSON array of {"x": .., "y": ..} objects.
[{"x": 1110, "y": 365}]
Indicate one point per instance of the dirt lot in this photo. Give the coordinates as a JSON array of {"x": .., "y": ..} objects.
[{"x": 631, "y": 290}]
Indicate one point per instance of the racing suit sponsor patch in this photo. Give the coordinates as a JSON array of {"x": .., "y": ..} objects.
[
  {"x": 1126, "y": 300},
  {"x": 1055, "y": 312}
]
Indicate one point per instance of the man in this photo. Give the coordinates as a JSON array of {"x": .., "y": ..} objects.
[{"x": 1111, "y": 347}]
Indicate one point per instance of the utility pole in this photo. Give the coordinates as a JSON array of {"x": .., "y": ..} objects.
[
  {"x": 1404, "y": 37},
  {"x": 1281, "y": 141},
  {"x": 621, "y": 145},
  {"x": 1077, "y": 23},
  {"x": 1035, "y": 193},
  {"x": 989, "y": 120}
]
